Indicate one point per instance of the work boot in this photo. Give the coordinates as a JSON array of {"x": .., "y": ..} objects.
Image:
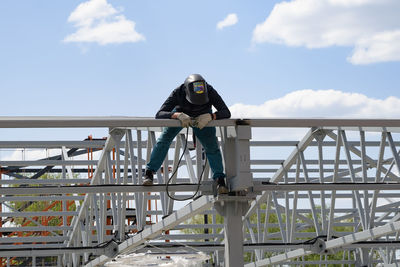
[
  {"x": 221, "y": 186},
  {"x": 148, "y": 177}
]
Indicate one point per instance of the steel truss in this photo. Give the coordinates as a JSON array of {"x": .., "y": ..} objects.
[{"x": 332, "y": 197}]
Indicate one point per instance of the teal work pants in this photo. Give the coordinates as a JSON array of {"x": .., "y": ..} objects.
[{"x": 206, "y": 136}]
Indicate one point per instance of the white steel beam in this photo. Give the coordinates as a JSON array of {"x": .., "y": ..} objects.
[
  {"x": 125, "y": 121},
  {"x": 12, "y": 240},
  {"x": 357, "y": 152},
  {"x": 205, "y": 187},
  {"x": 365, "y": 174},
  {"x": 333, "y": 195},
  {"x": 90, "y": 122},
  {"x": 45, "y": 181},
  {"x": 377, "y": 178},
  {"x": 95, "y": 180},
  {"x": 332, "y": 244},
  {"x": 197, "y": 206},
  {"x": 26, "y": 163},
  {"x": 287, "y": 164},
  {"x": 53, "y": 144},
  {"x": 357, "y": 197}
]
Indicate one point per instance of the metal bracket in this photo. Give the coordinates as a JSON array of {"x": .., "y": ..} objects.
[
  {"x": 318, "y": 247},
  {"x": 111, "y": 250}
]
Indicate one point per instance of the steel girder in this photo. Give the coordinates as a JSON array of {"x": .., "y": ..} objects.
[{"x": 335, "y": 187}]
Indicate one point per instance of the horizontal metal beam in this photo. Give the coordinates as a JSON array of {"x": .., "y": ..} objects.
[
  {"x": 313, "y": 143},
  {"x": 345, "y": 194},
  {"x": 90, "y": 122},
  {"x": 120, "y": 121},
  {"x": 205, "y": 187},
  {"x": 115, "y": 188},
  {"x": 106, "y": 249},
  {"x": 30, "y": 246},
  {"x": 4, "y": 229},
  {"x": 43, "y": 252},
  {"x": 53, "y": 144},
  {"x": 326, "y": 186},
  {"x": 9, "y": 240},
  {"x": 323, "y": 122},
  {"x": 39, "y": 198},
  {"x": 208, "y": 247},
  {"x": 21, "y": 163},
  {"x": 94, "y": 162},
  {"x": 38, "y": 213},
  {"x": 59, "y": 197},
  {"x": 100, "y": 144},
  {"x": 45, "y": 181}
]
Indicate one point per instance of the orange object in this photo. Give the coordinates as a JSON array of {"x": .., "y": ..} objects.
[
  {"x": 149, "y": 206},
  {"x": 90, "y": 157},
  {"x": 167, "y": 241},
  {"x": 113, "y": 164}
]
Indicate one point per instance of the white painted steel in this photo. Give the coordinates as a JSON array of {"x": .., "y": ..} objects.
[
  {"x": 315, "y": 182},
  {"x": 332, "y": 244}
]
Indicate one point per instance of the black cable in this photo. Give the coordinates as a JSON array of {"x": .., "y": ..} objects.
[
  {"x": 307, "y": 242},
  {"x": 169, "y": 245},
  {"x": 313, "y": 240},
  {"x": 98, "y": 246},
  {"x": 176, "y": 170}
]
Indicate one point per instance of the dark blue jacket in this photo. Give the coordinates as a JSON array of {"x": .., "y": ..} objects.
[{"x": 177, "y": 102}]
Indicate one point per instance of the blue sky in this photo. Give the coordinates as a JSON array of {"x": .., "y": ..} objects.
[{"x": 42, "y": 73}]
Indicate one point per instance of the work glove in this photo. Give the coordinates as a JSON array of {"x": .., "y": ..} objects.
[
  {"x": 202, "y": 120},
  {"x": 185, "y": 120}
]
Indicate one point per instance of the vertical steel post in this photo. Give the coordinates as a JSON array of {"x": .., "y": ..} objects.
[
  {"x": 237, "y": 158},
  {"x": 335, "y": 177},
  {"x": 233, "y": 233},
  {"x": 232, "y": 208},
  {"x": 319, "y": 137}
]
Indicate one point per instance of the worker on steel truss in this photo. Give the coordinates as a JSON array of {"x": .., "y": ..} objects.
[{"x": 191, "y": 103}]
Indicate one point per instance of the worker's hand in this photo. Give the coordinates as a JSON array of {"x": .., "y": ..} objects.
[
  {"x": 185, "y": 119},
  {"x": 202, "y": 120}
]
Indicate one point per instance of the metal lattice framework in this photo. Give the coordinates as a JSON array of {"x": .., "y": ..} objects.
[{"x": 331, "y": 197}]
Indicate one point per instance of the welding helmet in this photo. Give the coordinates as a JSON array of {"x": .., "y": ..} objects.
[{"x": 196, "y": 89}]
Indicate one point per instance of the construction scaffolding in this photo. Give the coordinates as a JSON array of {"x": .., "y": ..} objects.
[{"x": 331, "y": 196}]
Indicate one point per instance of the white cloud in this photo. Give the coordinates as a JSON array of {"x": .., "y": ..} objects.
[
  {"x": 367, "y": 25},
  {"x": 383, "y": 46},
  {"x": 230, "y": 20},
  {"x": 98, "y": 21},
  {"x": 321, "y": 103},
  {"x": 349, "y": 3}
]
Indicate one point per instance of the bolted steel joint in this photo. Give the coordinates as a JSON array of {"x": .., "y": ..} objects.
[
  {"x": 318, "y": 247},
  {"x": 111, "y": 250}
]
